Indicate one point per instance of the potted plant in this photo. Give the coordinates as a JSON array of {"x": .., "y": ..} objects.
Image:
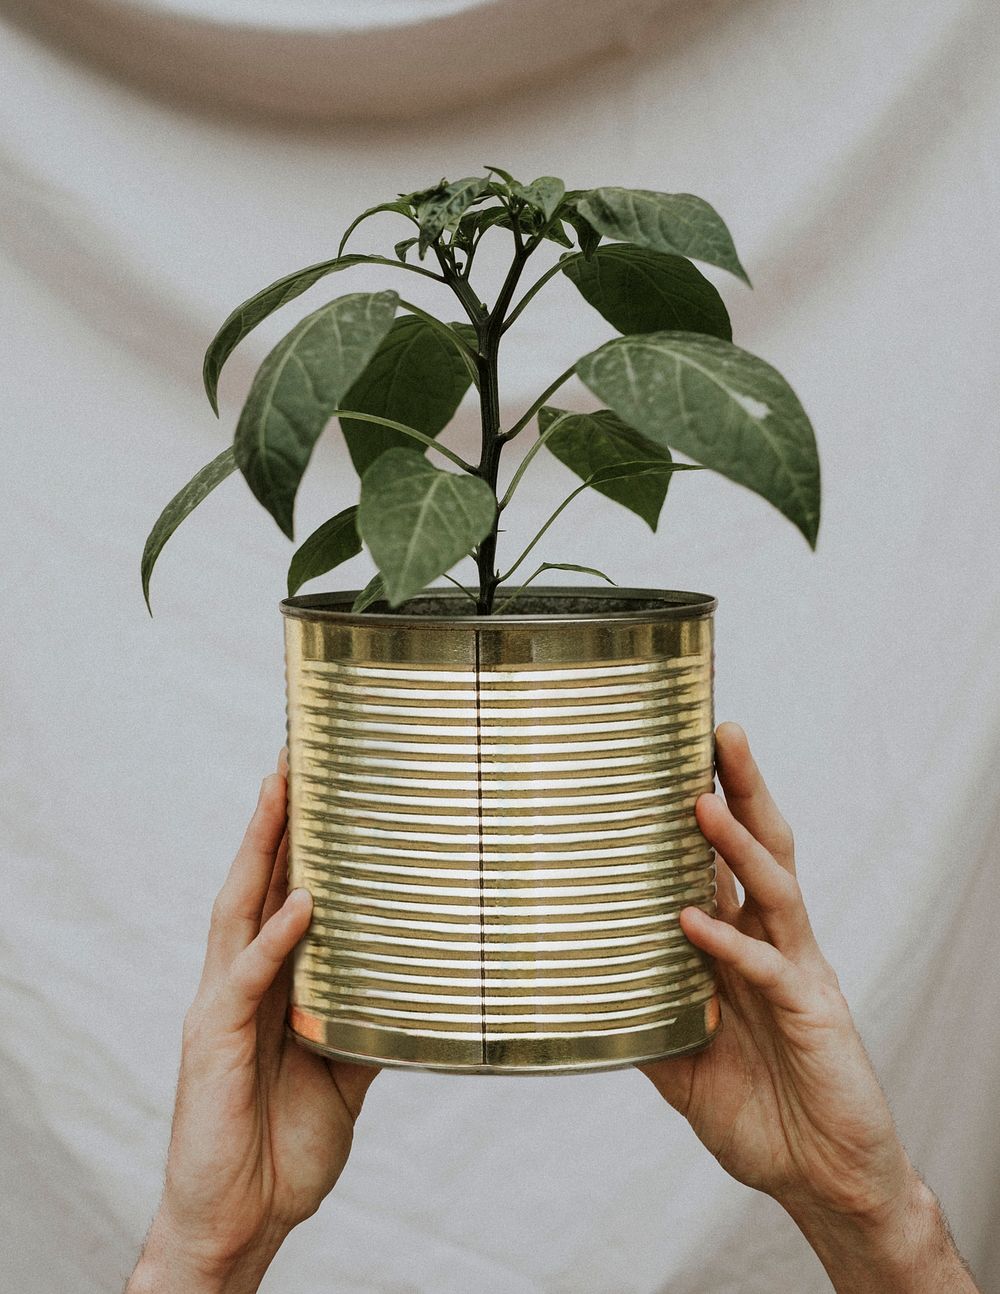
[{"x": 492, "y": 786}]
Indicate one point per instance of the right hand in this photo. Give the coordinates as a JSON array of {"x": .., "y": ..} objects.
[{"x": 786, "y": 1098}]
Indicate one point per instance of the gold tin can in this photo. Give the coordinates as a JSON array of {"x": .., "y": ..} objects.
[{"x": 495, "y": 818}]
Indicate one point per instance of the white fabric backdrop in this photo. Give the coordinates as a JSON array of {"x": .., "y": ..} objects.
[{"x": 852, "y": 150}]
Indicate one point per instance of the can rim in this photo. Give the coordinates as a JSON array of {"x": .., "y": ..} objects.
[{"x": 677, "y": 604}]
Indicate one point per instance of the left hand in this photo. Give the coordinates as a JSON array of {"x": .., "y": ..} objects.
[{"x": 262, "y": 1127}]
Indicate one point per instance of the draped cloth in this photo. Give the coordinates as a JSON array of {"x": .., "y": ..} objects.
[{"x": 159, "y": 161}]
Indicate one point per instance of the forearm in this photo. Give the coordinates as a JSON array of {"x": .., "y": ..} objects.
[
  {"x": 907, "y": 1250},
  {"x": 167, "y": 1265}
]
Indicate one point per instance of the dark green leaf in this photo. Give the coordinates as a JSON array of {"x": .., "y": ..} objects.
[
  {"x": 587, "y": 443},
  {"x": 247, "y": 316},
  {"x": 297, "y": 388},
  {"x": 444, "y": 206},
  {"x": 181, "y": 505},
  {"x": 724, "y": 407},
  {"x": 374, "y": 591},
  {"x": 401, "y": 207},
  {"x": 415, "y": 377},
  {"x": 403, "y": 246},
  {"x": 676, "y": 223},
  {"x": 418, "y": 521},
  {"x": 544, "y": 194},
  {"x": 639, "y": 291},
  {"x": 334, "y": 542}
]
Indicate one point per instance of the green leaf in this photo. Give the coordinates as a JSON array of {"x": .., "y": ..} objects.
[
  {"x": 639, "y": 291},
  {"x": 181, "y": 505},
  {"x": 334, "y": 542},
  {"x": 251, "y": 312},
  {"x": 401, "y": 207},
  {"x": 445, "y": 205},
  {"x": 297, "y": 388},
  {"x": 476, "y": 222},
  {"x": 586, "y": 235},
  {"x": 549, "y": 566},
  {"x": 676, "y": 223},
  {"x": 418, "y": 521},
  {"x": 587, "y": 443},
  {"x": 571, "y": 566},
  {"x": 402, "y": 247},
  {"x": 415, "y": 377},
  {"x": 721, "y": 405},
  {"x": 557, "y": 234},
  {"x": 374, "y": 591},
  {"x": 544, "y": 194},
  {"x": 506, "y": 176}
]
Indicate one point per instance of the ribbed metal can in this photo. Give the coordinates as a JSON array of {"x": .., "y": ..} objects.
[{"x": 495, "y": 818}]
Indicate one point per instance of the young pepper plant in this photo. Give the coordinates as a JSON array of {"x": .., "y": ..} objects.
[{"x": 393, "y": 374}]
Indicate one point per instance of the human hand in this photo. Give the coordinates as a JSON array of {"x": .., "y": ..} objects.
[
  {"x": 262, "y": 1128},
  {"x": 786, "y": 1098}
]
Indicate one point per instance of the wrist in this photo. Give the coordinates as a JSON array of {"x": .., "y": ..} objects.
[
  {"x": 901, "y": 1245},
  {"x": 172, "y": 1262}
]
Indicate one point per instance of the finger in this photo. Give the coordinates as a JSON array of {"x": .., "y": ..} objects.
[
  {"x": 257, "y": 966},
  {"x": 236, "y": 912},
  {"x": 283, "y": 761},
  {"x": 773, "y": 891},
  {"x": 277, "y": 891},
  {"x": 747, "y": 794},
  {"x": 727, "y": 901},
  {"x": 757, "y": 962}
]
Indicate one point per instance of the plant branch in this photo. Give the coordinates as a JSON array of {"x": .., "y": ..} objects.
[
  {"x": 383, "y": 206},
  {"x": 525, "y": 418},
  {"x": 470, "y": 596},
  {"x": 399, "y": 265},
  {"x": 603, "y": 475},
  {"x": 565, "y": 504},
  {"x": 512, "y": 597},
  {"x": 429, "y": 441},
  {"x": 470, "y": 303},
  {"x": 537, "y": 286},
  {"x": 523, "y": 465}
]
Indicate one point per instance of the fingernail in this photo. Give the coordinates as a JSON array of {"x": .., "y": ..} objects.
[{"x": 300, "y": 898}]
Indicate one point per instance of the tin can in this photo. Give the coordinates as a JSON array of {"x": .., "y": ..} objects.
[{"x": 495, "y": 818}]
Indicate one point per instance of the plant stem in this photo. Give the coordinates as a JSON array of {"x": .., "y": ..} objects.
[
  {"x": 408, "y": 431},
  {"x": 489, "y": 334}
]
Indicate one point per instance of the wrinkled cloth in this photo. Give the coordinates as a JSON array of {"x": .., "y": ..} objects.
[{"x": 852, "y": 149}]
